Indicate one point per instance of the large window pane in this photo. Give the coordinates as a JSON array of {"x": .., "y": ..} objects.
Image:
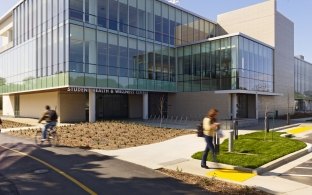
[
  {"x": 90, "y": 50},
  {"x": 76, "y": 48},
  {"x": 102, "y": 12},
  {"x": 102, "y": 52},
  {"x": 76, "y": 10},
  {"x": 112, "y": 55},
  {"x": 133, "y": 17},
  {"x": 113, "y": 14},
  {"x": 123, "y": 16}
]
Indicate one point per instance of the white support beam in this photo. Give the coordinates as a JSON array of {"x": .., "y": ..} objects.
[{"x": 92, "y": 106}]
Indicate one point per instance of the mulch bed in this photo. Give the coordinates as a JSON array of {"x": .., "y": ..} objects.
[
  {"x": 108, "y": 135},
  {"x": 213, "y": 185}
]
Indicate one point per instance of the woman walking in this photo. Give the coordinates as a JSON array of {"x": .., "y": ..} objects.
[{"x": 210, "y": 127}]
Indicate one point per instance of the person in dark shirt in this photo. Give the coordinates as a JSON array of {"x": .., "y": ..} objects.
[{"x": 50, "y": 117}]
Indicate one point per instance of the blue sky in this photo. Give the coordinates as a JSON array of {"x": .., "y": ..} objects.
[{"x": 299, "y": 11}]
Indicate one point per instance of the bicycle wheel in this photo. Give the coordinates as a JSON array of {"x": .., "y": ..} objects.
[
  {"x": 38, "y": 137},
  {"x": 53, "y": 138}
]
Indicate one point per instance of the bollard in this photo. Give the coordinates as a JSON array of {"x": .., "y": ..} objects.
[
  {"x": 266, "y": 123},
  {"x": 288, "y": 119},
  {"x": 217, "y": 144},
  {"x": 231, "y": 141},
  {"x": 235, "y": 129}
]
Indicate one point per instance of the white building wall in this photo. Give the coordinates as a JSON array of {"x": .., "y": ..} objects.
[
  {"x": 33, "y": 105},
  {"x": 284, "y": 63},
  {"x": 256, "y": 21},
  {"x": 72, "y": 107},
  {"x": 195, "y": 105},
  {"x": 8, "y": 105}
]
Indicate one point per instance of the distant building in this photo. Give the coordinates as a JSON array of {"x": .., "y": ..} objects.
[{"x": 100, "y": 59}]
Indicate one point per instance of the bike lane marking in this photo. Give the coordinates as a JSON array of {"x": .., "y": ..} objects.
[{"x": 85, "y": 188}]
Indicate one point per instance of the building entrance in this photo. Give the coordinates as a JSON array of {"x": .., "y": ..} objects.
[
  {"x": 111, "y": 106},
  {"x": 246, "y": 107}
]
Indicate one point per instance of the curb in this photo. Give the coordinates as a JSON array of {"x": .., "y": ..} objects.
[
  {"x": 283, "y": 160},
  {"x": 286, "y": 127}
]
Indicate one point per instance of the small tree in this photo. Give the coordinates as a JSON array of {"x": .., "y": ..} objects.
[{"x": 161, "y": 108}]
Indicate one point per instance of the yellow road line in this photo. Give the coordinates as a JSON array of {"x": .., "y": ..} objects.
[
  {"x": 231, "y": 174},
  {"x": 299, "y": 129},
  {"x": 85, "y": 188}
]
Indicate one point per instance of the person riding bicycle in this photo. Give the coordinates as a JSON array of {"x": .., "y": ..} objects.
[{"x": 50, "y": 116}]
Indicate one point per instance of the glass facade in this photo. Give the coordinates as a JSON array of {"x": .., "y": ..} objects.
[
  {"x": 127, "y": 44},
  {"x": 225, "y": 64},
  {"x": 303, "y": 85},
  {"x": 38, "y": 59}
]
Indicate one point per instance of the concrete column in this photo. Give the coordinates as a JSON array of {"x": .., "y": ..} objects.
[
  {"x": 92, "y": 105},
  {"x": 234, "y": 105},
  {"x": 145, "y": 106}
]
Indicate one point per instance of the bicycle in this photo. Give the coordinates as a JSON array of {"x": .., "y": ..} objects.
[{"x": 52, "y": 137}]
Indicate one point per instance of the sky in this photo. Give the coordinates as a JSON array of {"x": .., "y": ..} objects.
[{"x": 298, "y": 11}]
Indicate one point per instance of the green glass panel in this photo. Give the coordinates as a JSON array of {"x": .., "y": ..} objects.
[
  {"x": 76, "y": 79},
  {"x": 158, "y": 85},
  {"x": 49, "y": 81},
  {"x": 61, "y": 79},
  {"x": 101, "y": 80},
  {"x": 90, "y": 80},
  {"x": 55, "y": 79},
  {"x": 38, "y": 83},
  {"x": 142, "y": 84},
  {"x": 66, "y": 77},
  {"x": 150, "y": 84},
  {"x": 172, "y": 86},
  {"x": 133, "y": 83},
  {"x": 165, "y": 85},
  {"x": 112, "y": 81},
  {"x": 123, "y": 82}
]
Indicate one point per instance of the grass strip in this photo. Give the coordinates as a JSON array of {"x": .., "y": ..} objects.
[{"x": 255, "y": 149}]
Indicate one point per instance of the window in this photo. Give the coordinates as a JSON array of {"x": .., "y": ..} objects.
[
  {"x": 76, "y": 10},
  {"x": 102, "y": 13},
  {"x": 113, "y": 14},
  {"x": 76, "y": 48}
]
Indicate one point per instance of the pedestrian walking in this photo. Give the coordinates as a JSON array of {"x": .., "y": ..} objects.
[{"x": 210, "y": 127}]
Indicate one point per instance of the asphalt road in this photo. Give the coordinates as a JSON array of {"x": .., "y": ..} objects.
[{"x": 28, "y": 169}]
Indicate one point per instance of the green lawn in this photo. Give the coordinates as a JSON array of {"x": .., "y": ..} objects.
[{"x": 252, "y": 151}]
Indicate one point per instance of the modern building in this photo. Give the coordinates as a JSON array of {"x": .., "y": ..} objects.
[
  {"x": 98, "y": 59},
  {"x": 303, "y": 85}
]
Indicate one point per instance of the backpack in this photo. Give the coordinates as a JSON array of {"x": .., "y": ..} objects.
[
  {"x": 200, "y": 130},
  {"x": 53, "y": 115}
]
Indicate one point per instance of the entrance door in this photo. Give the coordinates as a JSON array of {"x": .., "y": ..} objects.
[
  {"x": 111, "y": 106},
  {"x": 246, "y": 107}
]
